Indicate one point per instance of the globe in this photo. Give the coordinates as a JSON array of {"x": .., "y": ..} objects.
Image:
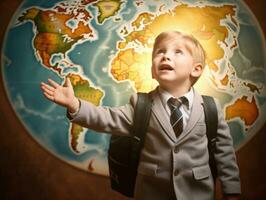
[{"x": 105, "y": 46}]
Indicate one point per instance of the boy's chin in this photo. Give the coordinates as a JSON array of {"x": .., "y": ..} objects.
[
  {"x": 166, "y": 83},
  {"x": 166, "y": 79}
]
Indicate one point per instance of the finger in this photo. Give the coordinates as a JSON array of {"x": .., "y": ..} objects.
[
  {"x": 48, "y": 96},
  {"x": 53, "y": 83},
  {"x": 47, "y": 89},
  {"x": 51, "y": 93},
  {"x": 46, "y": 86}
]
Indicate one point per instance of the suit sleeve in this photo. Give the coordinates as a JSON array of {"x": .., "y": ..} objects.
[
  {"x": 114, "y": 120},
  {"x": 228, "y": 171}
]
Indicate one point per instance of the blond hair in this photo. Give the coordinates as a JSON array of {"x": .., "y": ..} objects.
[{"x": 193, "y": 45}]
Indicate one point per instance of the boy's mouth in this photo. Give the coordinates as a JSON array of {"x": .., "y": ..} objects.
[{"x": 165, "y": 67}]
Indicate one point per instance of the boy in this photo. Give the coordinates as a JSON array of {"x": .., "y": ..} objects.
[{"x": 174, "y": 162}]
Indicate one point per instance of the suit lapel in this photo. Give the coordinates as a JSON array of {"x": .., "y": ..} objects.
[
  {"x": 195, "y": 115},
  {"x": 161, "y": 115}
]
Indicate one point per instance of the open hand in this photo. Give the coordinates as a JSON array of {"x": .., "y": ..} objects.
[{"x": 62, "y": 95}]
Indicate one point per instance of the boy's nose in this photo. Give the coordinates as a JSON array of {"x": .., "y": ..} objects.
[{"x": 166, "y": 57}]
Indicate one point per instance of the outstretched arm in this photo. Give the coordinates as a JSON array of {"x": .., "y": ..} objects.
[{"x": 61, "y": 94}]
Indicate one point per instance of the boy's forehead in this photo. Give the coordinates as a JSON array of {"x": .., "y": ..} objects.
[{"x": 172, "y": 39}]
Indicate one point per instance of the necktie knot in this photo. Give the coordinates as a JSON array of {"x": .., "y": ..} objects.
[{"x": 175, "y": 103}]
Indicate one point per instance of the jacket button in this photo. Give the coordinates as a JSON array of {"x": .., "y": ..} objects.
[
  {"x": 176, "y": 172},
  {"x": 176, "y": 149}
]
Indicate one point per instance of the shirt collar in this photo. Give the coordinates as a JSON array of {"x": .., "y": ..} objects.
[{"x": 165, "y": 96}]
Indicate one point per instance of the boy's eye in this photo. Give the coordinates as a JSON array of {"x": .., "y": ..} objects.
[
  {"x": 160, "y": 51},
  {"x": 178, "y": 51}
]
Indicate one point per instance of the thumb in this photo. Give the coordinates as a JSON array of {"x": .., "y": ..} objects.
[{"x": 68, "y": 83}]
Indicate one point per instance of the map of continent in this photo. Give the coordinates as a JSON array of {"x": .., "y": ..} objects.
[
  {"x": 57, "y": 31},
  {"x": 84, "y": 91}
]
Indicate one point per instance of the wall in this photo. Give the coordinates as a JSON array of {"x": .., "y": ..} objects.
[{"x": 27, "y": 171}]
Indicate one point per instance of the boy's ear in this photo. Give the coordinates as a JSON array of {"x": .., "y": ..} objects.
[{"x": 197, "y": 70}]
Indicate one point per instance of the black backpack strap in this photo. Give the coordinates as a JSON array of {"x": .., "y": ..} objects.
[
  {"x": 211, "y": 120},
  {"x": 142, "y": 116},
  {"x": 141, "y": 121}
]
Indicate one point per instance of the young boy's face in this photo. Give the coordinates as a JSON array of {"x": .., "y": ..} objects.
[{"x": 173, "y": 64}]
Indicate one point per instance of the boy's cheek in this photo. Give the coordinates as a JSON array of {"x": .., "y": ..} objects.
[{"x": 153, "y": 73}]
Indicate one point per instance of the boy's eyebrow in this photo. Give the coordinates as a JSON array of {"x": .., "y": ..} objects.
[{"x": 156, "y": 48}]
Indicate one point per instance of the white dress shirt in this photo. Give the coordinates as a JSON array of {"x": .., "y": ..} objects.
[{"x": 185, "y": 109}]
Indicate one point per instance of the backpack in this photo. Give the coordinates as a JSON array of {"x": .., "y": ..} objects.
[{"x": 124, "y": 151}]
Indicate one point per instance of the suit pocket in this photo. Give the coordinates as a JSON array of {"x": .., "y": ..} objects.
[
  {"x": 148, "y": 169},
  {"x": 201, "y": 172}
]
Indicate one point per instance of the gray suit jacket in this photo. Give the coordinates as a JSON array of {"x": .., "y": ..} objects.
[{"x": 170, "y": 167}]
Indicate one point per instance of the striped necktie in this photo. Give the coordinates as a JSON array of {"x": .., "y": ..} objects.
[{"x": 176, "y": 117}]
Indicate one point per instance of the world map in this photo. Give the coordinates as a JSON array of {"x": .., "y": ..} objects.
[{"x": 105, "y": 46}]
